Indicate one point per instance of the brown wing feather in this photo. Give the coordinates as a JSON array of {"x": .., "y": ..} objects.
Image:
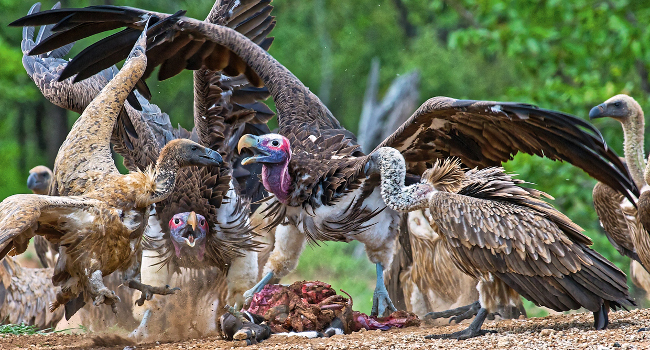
[
  {"x": 484, "y": 133},
  {"x": 607, "y": 203},
  {"x": 526, "y": 243},
  {"x": 24, "y": 215},
  {"x": 26, "y": 294}
]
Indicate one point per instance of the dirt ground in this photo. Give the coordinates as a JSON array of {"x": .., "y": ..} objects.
[{"x": 573, "y": 331}]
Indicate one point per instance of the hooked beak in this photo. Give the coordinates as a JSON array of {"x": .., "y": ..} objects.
[
  {"x": 32, "y": 182},
  {"x": 212, "y": 157},
  {"x": 191, "y": 220},
  {"x": 597, "y": 112},
  {"x": 250, "y": 142}
]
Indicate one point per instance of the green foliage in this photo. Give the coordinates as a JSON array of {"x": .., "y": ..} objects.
[
  {"x": 19, "y": 329},
  {"x": 564, "y": 55}
]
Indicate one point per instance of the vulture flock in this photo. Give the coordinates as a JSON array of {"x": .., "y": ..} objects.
[{"x": 226, "y": 207}]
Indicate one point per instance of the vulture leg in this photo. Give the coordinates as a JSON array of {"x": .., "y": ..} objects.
[
  {"x": 381, "y": 303},
  {"x": 100, "y": 293},
  {"x": 474, "y": 329},
  {"x": 248, "y": 295},
  {"x": 242, "y": 274},
  {"x": 149, "y": 291},
  {"x": 140, "y": 333},
  {"x": 458, "y": 314}
]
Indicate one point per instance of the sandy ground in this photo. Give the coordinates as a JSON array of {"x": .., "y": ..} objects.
[{"x": 572, "y": 331}]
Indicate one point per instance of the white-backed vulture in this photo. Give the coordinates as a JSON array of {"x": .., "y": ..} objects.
[
  {"x": 39, "y": 180},
  {"x": 618, "y": 217},
  {"x": 313, "y": 167},
  {"x": 98, "y": 215},
  {"x": 507, "y": 237}
]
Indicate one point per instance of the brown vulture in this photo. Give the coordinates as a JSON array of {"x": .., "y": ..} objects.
[
  {"x": 98, "y": 215},
  {"x": 325, "y": 188},
  {"x": 204, "y": 223},
  {"x": 622, "y": 221},
  {"x": 39, "y": 180}
]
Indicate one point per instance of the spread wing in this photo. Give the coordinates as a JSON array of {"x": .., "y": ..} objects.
[
  {"x": 485, "y": 133},
  {"x": 189, "y": 44},
  {"x": 607, "y": 203},
  {"x": 494, "y": 226},
  {"x": 24, "y": 215}
]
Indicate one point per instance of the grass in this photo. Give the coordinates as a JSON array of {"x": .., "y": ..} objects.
[{"x": 23, "y": 329}]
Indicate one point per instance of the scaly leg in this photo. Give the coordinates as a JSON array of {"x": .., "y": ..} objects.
[
  {"x": 248, "y": 295},
  {"x": 149, "y": 291},
  {"x": 289, "y": 244},
  {"x": 100, "y": 293},
  {"x": 474, "y": 329},
  {"x": 458, "y": 314},
  {"x": 381, "y": 303}
]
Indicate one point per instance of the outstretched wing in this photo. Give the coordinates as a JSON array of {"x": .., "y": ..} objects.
[
  {"x": 485, "y": 133},
  {"x": 188, "y": 44},
  {"x": 496, "y": 227},
  {"x": 24, "y": 215}
]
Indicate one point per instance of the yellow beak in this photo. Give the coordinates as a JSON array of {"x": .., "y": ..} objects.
[
  {"x": 191, "y": 220},
  {"x": 246, "y": 141}
]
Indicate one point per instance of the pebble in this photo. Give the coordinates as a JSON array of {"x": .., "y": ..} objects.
[{"x": 546, "y": 332}]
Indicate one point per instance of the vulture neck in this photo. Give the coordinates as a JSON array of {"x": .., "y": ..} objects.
[
  {"x": 633, "y": 135},
  {"x": 164, "y": 176},
  {"x": 276, "y": 179},
  {"x": 392, "y": 169}
]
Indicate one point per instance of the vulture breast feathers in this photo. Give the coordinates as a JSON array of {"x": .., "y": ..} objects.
[{"x": 224, "y": 108}]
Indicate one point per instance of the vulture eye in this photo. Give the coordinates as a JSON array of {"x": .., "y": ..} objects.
[
  {"x": 617, "y": 103},
  {"x": 275, "y": 143},
  {"x": 194, "y": 148},
  {"x": 202, "y": 222},
  {"x": 177, "y": 221}
]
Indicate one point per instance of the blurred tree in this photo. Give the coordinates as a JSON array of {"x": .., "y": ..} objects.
[{"x": 557, "y": 54}]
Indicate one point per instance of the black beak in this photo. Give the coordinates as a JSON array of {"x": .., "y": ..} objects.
[
  {"x": 212, "y": 157},
  {"x": 32, "y": 182},
  {"x": 597, "y": 112}
]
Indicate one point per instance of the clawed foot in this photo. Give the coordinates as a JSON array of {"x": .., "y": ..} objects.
[
  {"x": 149, "y": 291},
  {"x": 381, "y": 303},
  {"x": 461, "y": 335},
  {"x": 106, "y": 296},
  {"x": 458, "y": 314}
]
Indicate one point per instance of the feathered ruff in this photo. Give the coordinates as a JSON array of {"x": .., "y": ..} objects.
[{"x": 445, "y": 175}]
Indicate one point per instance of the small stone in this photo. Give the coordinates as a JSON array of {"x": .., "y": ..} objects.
[
  {"x": 616, "y": 345},
  {"x": 546, "y": 332}
]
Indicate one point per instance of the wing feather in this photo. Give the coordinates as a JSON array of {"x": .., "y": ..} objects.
[
  {"x": 24, "y": 215},
  {"x": 484, "y": 133}
]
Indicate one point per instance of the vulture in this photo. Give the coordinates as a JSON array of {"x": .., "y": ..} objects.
[
  {"x": 321, "y": 184},
  {"x": 506, "y": 236},
  {"x": 96, "y": 214},
  {"x": 423, "y": 277},
  {"x": 202, "y": 228},
  {"x": 39, "y": 180},
  {"x": 619, "y": 218}
]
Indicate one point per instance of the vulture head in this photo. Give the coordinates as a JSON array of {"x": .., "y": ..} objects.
[
  {"x": 273, "y": 151},
  {"x": 39, "y": 179},
  {"x": 187, "y": 152},
  {"x": 620, "y": 107},
  {"x": 188, "y": 232}
]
